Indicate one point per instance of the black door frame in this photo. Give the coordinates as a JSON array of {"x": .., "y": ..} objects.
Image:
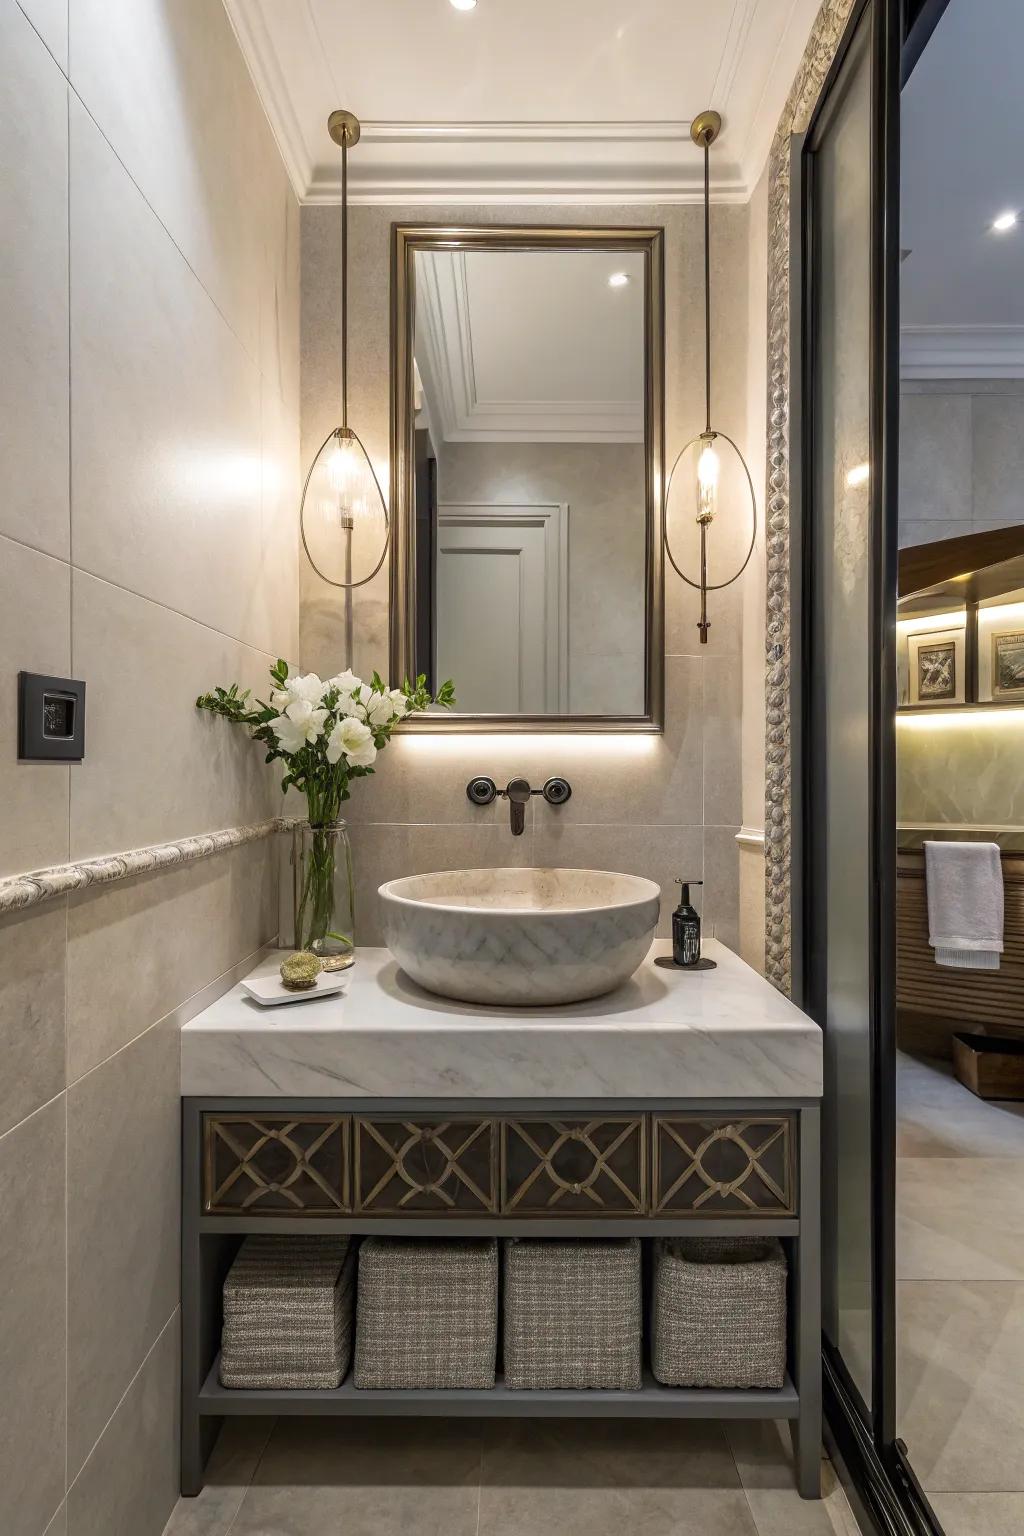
[{"x": 884, "y": 1484}]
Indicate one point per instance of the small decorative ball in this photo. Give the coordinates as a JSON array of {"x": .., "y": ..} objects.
[{"x": 300, "y": 971}]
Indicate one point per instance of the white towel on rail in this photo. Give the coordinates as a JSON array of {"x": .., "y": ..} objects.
[{"x": 964, "y": 883}]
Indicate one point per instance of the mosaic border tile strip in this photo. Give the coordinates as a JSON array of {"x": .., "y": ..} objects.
[
  {"x": 821, "y": 49},
  {"x": 20, "y": 891}
]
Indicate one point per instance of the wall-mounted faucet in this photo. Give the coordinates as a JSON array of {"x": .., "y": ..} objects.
[{"x": 517, "y": 792}]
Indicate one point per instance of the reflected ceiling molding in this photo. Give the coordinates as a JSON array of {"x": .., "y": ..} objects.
[
  {"x": 962, "y": 351},
  {"x": 446, "y": 360}
]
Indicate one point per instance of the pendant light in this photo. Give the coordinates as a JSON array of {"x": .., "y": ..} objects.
[
  {"x": 343, "y": 517},
  {"x": 697, "y": 474}
]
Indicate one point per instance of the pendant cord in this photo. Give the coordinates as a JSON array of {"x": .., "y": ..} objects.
[
  {"x": 707, "y": 285},
  {"x": 344, "y": 285}
]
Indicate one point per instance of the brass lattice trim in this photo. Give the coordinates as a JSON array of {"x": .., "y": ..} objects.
[
  {"x": 572, "y": 1134},
  {"x": 753, "y": 1191},
  {"x": 275, "y": 1134},
  {"x": 429, "y": 1184}
]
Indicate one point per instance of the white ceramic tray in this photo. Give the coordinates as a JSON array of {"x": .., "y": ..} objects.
[{"x": 271, "y": 992}]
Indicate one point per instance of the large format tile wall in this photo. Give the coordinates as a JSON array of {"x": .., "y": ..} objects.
[
  {"x": 149, "y": 277},
  {"x": 961, "y": 457},
  {"x": 661, "y": 806}
]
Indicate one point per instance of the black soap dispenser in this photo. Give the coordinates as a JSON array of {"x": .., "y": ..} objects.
[{"x": 686, "y": 928}]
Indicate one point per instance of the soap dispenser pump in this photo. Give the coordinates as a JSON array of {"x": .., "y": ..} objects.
[{"x": 686, "y": 928}]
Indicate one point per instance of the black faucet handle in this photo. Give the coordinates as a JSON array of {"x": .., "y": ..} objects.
[
  {"x": 481, "y": 790},
  {"x": 557, "y": 791}
]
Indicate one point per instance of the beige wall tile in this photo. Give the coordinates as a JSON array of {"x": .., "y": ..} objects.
[
  {"x": 421, "y": 778},
  {"x": 165, "y": 470},
  {"x": 751, "y": 905},
  {"x": 140, "y": 948},
  {"x": 382, "y": 853},
  {"x": 658, "y": 853},
  {"x": 129, "y": 1484},
  {"x": 721, "y": 885},
  {"x": 723, "y": 707},
  {"x": 58, "y": 1526},
  {"x": 275, "y": 600},
  {"x": 998, "y": 459},
  {"x": 32, "y": 972},
  {"x": 34, "y": 286},
  {"x": 50, "y": 19},
  {"x": 32, "y": 1345},
  {"x": 935, "y": 457},
  {"x": 157, "y": 767},
  {"x": 35, "y": 636},
  {"x": 169, "y": 88},
  {"x": 123, "y": 1223}
]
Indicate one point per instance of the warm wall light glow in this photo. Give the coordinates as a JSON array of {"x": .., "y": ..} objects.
[
  {"x": 618, "y": 280},
  {"x": 708, "y": 470},
  {"x": 1004, "y": 221},
  {"x": 960, "y": 719},
  {"x": 859, "y": 475},
  {"x": 478, "y": 749},
  {"x": 932, "y": 621},
  {"x": 463, "y": 5},
  {"x": 1001, "y": 613}
]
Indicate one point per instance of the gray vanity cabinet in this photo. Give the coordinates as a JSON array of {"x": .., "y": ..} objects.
[{"x": 505, "y": 1168}]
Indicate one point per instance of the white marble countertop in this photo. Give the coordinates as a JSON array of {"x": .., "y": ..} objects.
[{"x": 665, "y": 1035}]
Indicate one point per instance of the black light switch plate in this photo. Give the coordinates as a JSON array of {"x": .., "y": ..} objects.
[{"x": 51, "y": 719}]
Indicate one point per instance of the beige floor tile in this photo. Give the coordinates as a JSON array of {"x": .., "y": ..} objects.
[
  {"x": 980, "y": 1514},
  {"x": 230, "y": 1471},
  {"x": 589, "y": 1478},
  {"x": 960, "y": 1364},
  {"x": 386, "y": 1478},
  {"x": 959, "y": 1218},
  {"x": 939, "y": 1117}
]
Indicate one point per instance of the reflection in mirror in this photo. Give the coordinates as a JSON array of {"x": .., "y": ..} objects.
[{"x": 530, "y": 574}]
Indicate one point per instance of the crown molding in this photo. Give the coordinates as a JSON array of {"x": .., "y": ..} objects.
[
  {"x": 570, "y": 163},
  {"x": 445, "y": 359},
  {"x": 962, "y": 351},
  {"x": 257, "y": 48}
]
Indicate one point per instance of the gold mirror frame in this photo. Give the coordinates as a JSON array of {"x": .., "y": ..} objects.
[{"x": 406, "y": 241}]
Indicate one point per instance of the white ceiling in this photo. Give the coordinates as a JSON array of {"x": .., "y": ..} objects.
[
  {"x": 962, "y": 286},
  {"x": 523, "y": 100},
  {"x": 531, "y": 346}
]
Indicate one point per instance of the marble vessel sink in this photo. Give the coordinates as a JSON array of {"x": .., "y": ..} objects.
[{"x": 520, "y": 937}]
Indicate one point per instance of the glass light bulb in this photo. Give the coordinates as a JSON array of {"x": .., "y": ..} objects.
[
  {"x": 341, "y": 466},
  {"x": 708, "y": 467}
]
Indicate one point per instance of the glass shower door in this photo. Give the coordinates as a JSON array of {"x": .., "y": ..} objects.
[{"x": 849, "y": 547}]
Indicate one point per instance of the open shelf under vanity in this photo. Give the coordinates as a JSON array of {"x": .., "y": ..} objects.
[{"x": 669, "y": 1180}]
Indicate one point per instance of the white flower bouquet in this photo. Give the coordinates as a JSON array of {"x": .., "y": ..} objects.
[{"x": 327, "y": 734}]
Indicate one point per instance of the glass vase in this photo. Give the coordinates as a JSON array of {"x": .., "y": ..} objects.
[{"x": 324, "y": 896}]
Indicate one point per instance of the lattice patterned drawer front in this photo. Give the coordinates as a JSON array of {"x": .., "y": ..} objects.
[
  {"x": 718, "y": 1167},
  {"x": 275, "y": 1165},
  {"x": 445, "y": 1167},
  {"x": 595, "y": 1167}
]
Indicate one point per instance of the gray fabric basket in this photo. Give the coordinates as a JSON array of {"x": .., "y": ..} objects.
[
  {"x": 573, "y": 1313},
  {"x": 719, "y": 1312},
  {"x": 288, "y": 1307},
  {"x": 427, "y": 1313}
]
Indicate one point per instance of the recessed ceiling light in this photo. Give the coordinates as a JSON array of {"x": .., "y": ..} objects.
[
  {"x": 1004, "y": 221},
  {"x": 463, "y": 5},
  {"x": 618, "y": 280}
]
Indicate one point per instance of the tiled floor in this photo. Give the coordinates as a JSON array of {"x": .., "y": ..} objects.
[
  {"x": 388, "y": 1477},
  {"x": 960, "y": 1297}
]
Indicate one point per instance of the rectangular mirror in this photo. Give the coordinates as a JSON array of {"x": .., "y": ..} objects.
[{"x": 527, "y": 450}]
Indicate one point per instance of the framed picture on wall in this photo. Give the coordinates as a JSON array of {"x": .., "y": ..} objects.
[
  {"x": 1008, "y": 666},
  {"x": 936, "y": 666}
]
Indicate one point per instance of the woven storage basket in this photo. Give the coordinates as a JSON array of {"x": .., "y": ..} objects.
[
  {"x": 719, "y": 1312},
  {"x": 573, "y": 1314},
  {"x": 427, "y": 1314},
  {"x": 288, "y": 1306}
]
